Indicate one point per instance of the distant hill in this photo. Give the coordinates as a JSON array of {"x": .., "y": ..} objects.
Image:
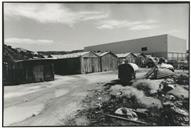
[
  {"x": 58, "y": 52},
  {"x": 14, "y": 54},
  {"x": 23, "y": 50}
]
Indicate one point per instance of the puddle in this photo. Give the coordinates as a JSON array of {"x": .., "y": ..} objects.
[{"x": 20, "y": 113}]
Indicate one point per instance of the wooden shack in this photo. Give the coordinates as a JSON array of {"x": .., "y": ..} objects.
[
  {"x": 27, "y": 71},
  {"x": 140, "y": 59},
  {"x": 130, "y": 57},
  {"x": 76, "y": 63},
  {"x": 108, "y": 61},
  {"x": 20, "y": 68}
]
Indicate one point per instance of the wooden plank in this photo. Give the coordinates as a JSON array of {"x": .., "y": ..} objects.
[{"x": 122, "y": 118}]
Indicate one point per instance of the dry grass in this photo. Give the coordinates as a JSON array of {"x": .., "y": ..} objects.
[
  {"x": 179, "y": 92},
  {"x": 147, "y": 86},
  {"x": 131, "y": 91}
]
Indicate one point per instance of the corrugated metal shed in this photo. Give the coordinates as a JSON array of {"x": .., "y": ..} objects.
[
  {"x": 23, "y": 68},
  {"x": 28, "y": 71},
  {"x": 72, "y": 55}
]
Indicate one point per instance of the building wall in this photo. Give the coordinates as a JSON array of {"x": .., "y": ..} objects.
[
  {"x": 154, "y": 44},
  {"x": 176, "y": 48},
  {"x": 108, "y": 62},
  {"x": 37, "y": 71},
  {"x": 49, "y": 72},
  {"x": 27, "y": 72},
  {"x": 87, "y": 63},
  {"x": 176, "y": 44},
  {"x": 68, "y": 66},
  {"x": 90, "y": 63},
  {"x": 13, "y": 73},
  {"x": 130, "y": 58},
  {"x": 140, "y": 61}
]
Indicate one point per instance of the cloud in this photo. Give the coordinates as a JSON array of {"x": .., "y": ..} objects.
[
  {"x": 131, "y": 25},
  {"x": 143, "y": 27},
  {"x": 51, "y": 13},
  {"x": 111, "y": 24},
  {"x": 26, "y": 41}
]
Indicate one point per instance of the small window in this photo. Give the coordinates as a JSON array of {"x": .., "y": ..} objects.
[{"x": 144, "y": 49}]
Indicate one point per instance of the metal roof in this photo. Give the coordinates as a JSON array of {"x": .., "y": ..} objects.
[
  {"x": 102, "y": 53},
  {"x": 136, "y": 54},
  {"x": 36, "y": 59},
  {"x": 122, "y": 55},
  {"x": 72, "y": 55}
]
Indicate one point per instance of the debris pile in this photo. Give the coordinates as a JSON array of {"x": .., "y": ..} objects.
[
  {"x": 182, "y": 79},
  {"x": 163, "y": 102}
]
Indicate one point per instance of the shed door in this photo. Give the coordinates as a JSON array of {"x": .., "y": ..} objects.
[
  {"x": 87, "y": 65},
  {"x": 95, "y": 64},
  {"x": 38, "y": 73}
]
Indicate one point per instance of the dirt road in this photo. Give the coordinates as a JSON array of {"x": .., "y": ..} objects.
[
  {"x": 52, "y": 103},
  {"x": 49, "y": 103}
]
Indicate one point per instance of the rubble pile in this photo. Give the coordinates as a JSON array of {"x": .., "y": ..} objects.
[
  {"x": 163, "y": 102},
  {"x": 182, "y": 79},
  {"x": 148, "y": 86}
]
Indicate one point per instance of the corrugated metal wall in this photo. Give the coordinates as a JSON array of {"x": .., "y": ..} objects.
[
  {"x": 27, "y": 72},
  {"x": 68, "y": 66}
]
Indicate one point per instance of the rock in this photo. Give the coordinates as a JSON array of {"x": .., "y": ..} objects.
[
  {"x": 165, "y": 86},
  {"x": 167, "y": 66},
  {"x": 180, "y": 111},
  {"x": 179, "y": 92},
  {"x": 25, "y": 100},
  {"x": 142, "y": 112},
  {"x": 183, "y": 79},
  {"x": 173, "y": 115},
  {"x": 168, "y": 104},
  {"x": 170, "y": 81},
  {"x": 33, "y": 115},
  {"x": 128, "y": 112},
  {"x": 170, "y": 97}
]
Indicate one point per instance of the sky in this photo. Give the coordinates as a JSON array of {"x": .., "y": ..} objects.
[{"x": 72, "y": 26}]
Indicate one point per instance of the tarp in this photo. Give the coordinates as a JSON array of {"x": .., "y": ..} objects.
[
  {"x": 168, "y": 66},
  {"x": 158, "y": 73}
]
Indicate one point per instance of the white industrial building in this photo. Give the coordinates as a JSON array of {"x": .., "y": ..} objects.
[{"x": 170, "y": 47}]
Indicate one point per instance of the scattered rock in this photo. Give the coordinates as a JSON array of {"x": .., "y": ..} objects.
[
  {"x": 156, "y": 102},
  {"x": 142, "y": 112},
  {"x": 25, "y": 100},
  {"x": 172, "y": 115},
  {"x": 182, "y": 79},
  {"x": 33, "y": 115}
]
